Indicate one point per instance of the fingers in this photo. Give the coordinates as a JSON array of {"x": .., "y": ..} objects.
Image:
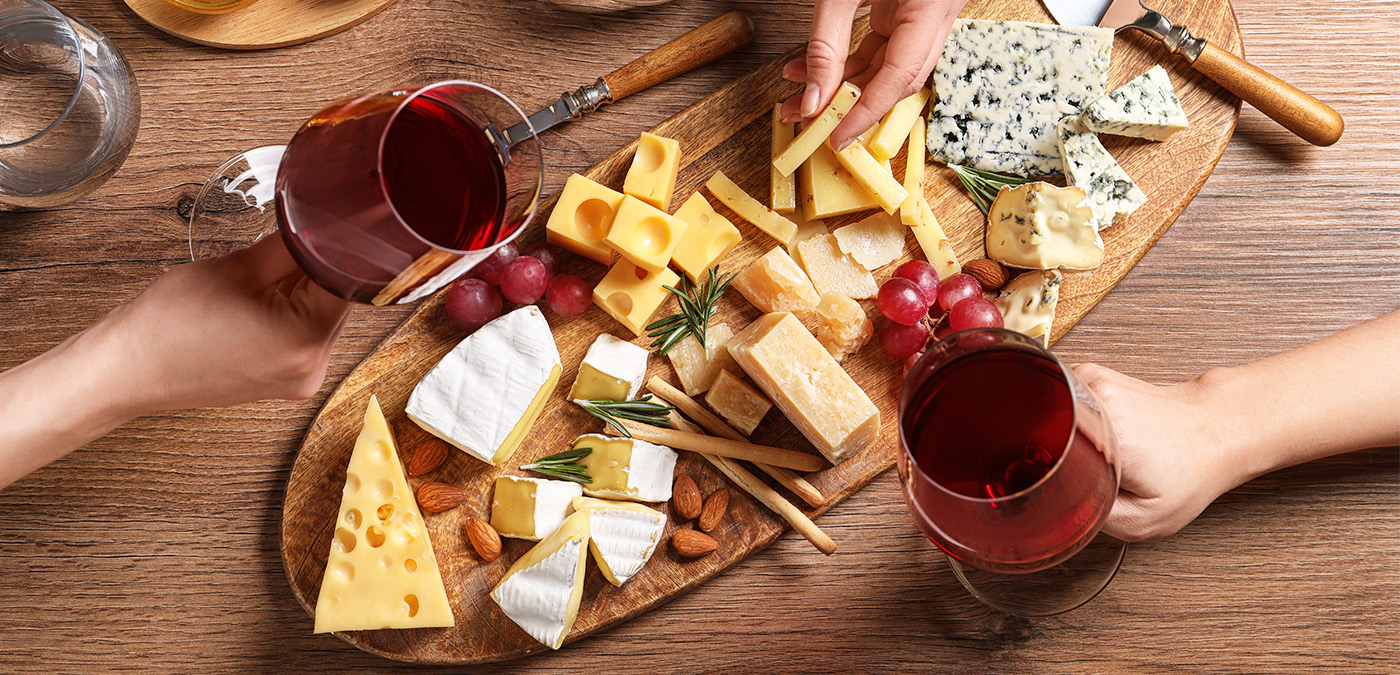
[
  {"x": 902, "y": 70},
  {"x": 857, "y": 63},
  {"x": 827, "y": 47}
]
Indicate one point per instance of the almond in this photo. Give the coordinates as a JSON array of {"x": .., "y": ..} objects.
[
  {"x": 716, "y": 505},
  {"x": 439, "y": 497},
  {"x": 990, "y": 273},
  {"x": 686, "y": 497},
  {"x": 428, "y": 456},
  {"x": 484, "y": 538},
  {"x": 692, "y": 544}
]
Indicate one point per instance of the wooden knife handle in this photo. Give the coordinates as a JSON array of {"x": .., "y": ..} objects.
[
  {"x": 717, "y": 38},
  {"x": 1313, "y": 121}
]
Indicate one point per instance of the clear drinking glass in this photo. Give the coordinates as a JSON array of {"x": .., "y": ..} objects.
[{"x": 69, "y": 106}]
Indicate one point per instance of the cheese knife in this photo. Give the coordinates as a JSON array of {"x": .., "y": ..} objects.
[{"x": 1299, "y": 112}]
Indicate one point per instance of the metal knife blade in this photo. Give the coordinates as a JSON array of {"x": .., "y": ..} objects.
[
  {"x": 571, "y": 105},
  {"x": 1078, "y": 12}
]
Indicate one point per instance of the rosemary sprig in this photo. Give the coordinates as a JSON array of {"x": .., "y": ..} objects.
[
  {"x": 563, "y": 465},
  {"x": 643, "y": 410},
  {"x": 697, "y": 305},
  {"x": 984, "y": 185}
]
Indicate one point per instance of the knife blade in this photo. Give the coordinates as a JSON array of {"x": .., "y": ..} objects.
[{"x": 1077, "y": 12}]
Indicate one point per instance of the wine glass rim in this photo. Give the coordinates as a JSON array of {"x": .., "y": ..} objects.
[
  {"x": 384, "y": 139},
  {"x": 1039, "y": 349},
  {"x": 77, "y": 83}
]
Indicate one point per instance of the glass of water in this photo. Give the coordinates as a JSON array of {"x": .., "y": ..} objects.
[{"x": 69, "y": 107}]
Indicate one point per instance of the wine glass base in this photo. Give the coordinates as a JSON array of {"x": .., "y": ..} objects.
[
  {"x": 1057, "y": 590},
  {"x": 235, "y": 207}
]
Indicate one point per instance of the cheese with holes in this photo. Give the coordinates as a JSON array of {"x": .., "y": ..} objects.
[
  {"x": 936, "y": 246},
  {"x": 843, "y": 327},
  {"x": 1027, "y": 303},
  {"x": 645, "y": 235},
  {"x": 914, "y": 176},
  {"x": 1112, "y": 193},
  {"x": 774, "y": 283},
  {"x": 782, "y": 188},
  {"x": 889, "y": 136},
  {"x": 708, "y": 238},
  {"x": 582, "y": 217},
  {"x": 381, "y": 572},
  {"x": 770, "y": 222},
  {"x": 622, "y": 535},
  {"x": 742, "y": 406},
  {"x": 632, "y": 295},
  {"x": 698, "y": 367},
  {"x": 612, "y": 370},
  {"x": 652, "y": 176},
  {"x": 627, "y": 468},
  {"x": 874, "y": 242},
  {"x": 542, "y": 590},
  {"x": 530, "y": 508},
  {"x": 1040, "y": 226},
  {"x": 873, "y": 176},
  {"x": 1145, "y": 107},
  {"x": 832, "y": 271},
  {"x": 818, "y": 130},
  {"x": 809, "y": 386},
  {"x": 484, "y": 396},
  {"x": 827, "y": 189},
  {"x": 1002, "y": 86}
]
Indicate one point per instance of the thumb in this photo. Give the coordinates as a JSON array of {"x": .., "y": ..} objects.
[{"x": 827, "y": 47}]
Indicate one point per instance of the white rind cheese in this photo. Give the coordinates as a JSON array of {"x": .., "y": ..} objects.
[
  {"x": 1002, "y": 86},
  {"x": 627, "y": 468},
  {"x": 1041, "y": 226},
  {"x": 1145, "y": 107},
  {"x": 552, "y": 501},
  {"x": 1028, "y": 303},
  {"x": 623, "y": 536},
  {"x": 1112, "y": 193},
  {"x": 617, "y": 359},
  {"x": 542, "y": 590}
]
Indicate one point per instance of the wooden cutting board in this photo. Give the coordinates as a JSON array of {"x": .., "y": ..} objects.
[{"x": 729, "y": 131}]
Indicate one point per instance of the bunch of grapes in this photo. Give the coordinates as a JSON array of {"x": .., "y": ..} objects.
[
  {"x": 914, "y": 301},
  {"x": 507, "y": 274}
]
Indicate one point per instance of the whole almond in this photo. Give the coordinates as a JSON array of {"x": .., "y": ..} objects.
[
  {"x": 686, "y": 497},
  {"x": 484, "y": 538},
  {"x": 716, "y": 505},
  {"x": 439, "y": 497},
  {"x": 692, "y": 544},
  {"x": 990, "y": 273},
  {"x": 428, "y": 456}
]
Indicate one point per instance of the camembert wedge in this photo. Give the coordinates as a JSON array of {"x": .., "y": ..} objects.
[
  {"x": 542, "y": 590},
  {"x": 612, "y": 370},
  {"x": 622, "y": 535},
  {"x": 626, "y": 468},
  {"x": 530, "y": 508}
]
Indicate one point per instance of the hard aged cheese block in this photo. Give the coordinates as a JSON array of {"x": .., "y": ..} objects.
[
  {"x": 1112, "y": 193},
  {"x": 582, "y": 217},
  {"x": 697, "y": 368},
  {"x": 612, "y": 370},
  {"x": 873, "y": 176},
  {"x": 738, "y": 403},
  {"x": 828, "y": 189},
  {"x": 381, "y": 572},
  {"x": 484, "y": 396},
  {"x": 770, "y": 222},
  {"x": 832, "y": 271},
  {"x": 914, "y": 175},
  {"x": 626, "y": 468},
  {"x": 934, "y": 243},
  {"x": 542, "y": 590},
  {"x": 805, "y": 230},
  {"x": 1001, "y": 87},
  {"x": 652, "y": 176},
  {"x": 843, "y": 326},
  {"x": 622, "y": 536},
  {"x": 645, "y": 235},
  {"x": 1040, "y": 226},
  {"x": 818, "y": 130},
  {"x": 1028, "y": 303},
  {"x": 809, "y": 386},
  {"x": 774, "y": 283},
  {"x": 782, "y": 188},
  {"x": 709, "y": 237},
  {"x": 1145, "y": 107},
  {"x": 632, "y": 295},
  {"x": 530, "y": 508},
  {"x": 890, "y": 134},
  {"x": 874, "y": 242}
]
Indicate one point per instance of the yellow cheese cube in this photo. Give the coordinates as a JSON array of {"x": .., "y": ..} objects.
[
  {"x": 582, "y": 217},
  {"x": 774, "y": 283},
  {"x": 770, "y": 222},
  {"x": 914, "y": 174},
  {"x": 632, "y": 295},
  {"x": 742, "y": 406},
  {"x": 783, "y": 188},
  {"x": 818, "y": 131},
  {"x": 832, "y": 271},
  {"x": 644, "y": 234},
  {"x": 697, "y": 368},
  {"x": 935, "y": 244},
  {"x": 872, "y": 175},
  {"x": 828, "y": 189},
  {"x": 890, "y": 134},
  {"x": 652, "y": 177},
  {"x": 708, "y": 238},
  {"x": 843, "y": 327}
]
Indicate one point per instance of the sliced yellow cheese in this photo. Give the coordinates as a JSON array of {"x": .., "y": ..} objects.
[
  {"x": 652, "y": 176},
  {"x": 828, "y": 189},
  {"x": 934, "y": 243},
  {"x": 770, "y": 222},
  {"x": 582, "y": 217},
  {"x": 542, "y": 590},
  {"x": 645, "y": 235},
  {"x": 818, "y": 130},
  {"x": 632, "y": 295},
  {"x": 832, "y": 271},
  {"x": 874, "y": 242},
  {"x": 774, "y": 283},
  {"x": 709, "y": 237},
  {"x": 914, "y": 174},
  {"x": 738, "y": 403},
  {"x": 872, "y": 175},
  {"x": 892, "y": 131},
  {"x": 782, "y": 188}
]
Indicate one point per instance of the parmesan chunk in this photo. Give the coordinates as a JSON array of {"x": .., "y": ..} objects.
[
  {"x": 742, "y": 406},
  {"x": 832, "y": 271},
  {"x": 697, "y": 368},
  {"x": 874, "y": 242},
  {"x": 774, "y": 283},
  {"x": 844, "y": 327}
]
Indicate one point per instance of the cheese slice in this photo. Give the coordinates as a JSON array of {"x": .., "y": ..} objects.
[
  {"x": 913, "y": 175},
  {"x": 1145, "y": 107},
  {"x": 892, "y": 131},
  {"x": 874, "y": 242},
  {"x": 782, "y": 188},
  {"x": 770, "y": 222},
  {"x": 1040, "y": 226},
  {"x": 542, "y": 590},
  {"x": 832, "y": 271},
  {"x": 381, "y": 572},
  {"x": 1112, "y": 193},
  {"x": 622, "y": 535},
  {"x": 1028, "y": 303},
  {"x": 612, "y": 370},
  {"x": 936, "y": 246},
  {"x": 818, "y": 130},
  {"x": 626, "y": 468},
  {"x": 874, "y": 176},
  {"x": 828, "y": 189},
  {"x": 530, "y": 508}
]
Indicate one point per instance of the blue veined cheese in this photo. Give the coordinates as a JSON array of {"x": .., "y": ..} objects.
[
  {"x": 1001, "y": 87},
  {"x": 1112, "y": 193},
  {"x": 1145, "y": 107}
]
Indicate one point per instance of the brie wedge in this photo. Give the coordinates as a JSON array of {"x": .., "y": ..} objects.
[
  {"x": 1040, "y": 226},
  {"x": 1028, "y": 303},
  {"x": 542, "y": 590},
  {"x": 485, "y": 394},
  {"x": 531, "y": 508},
  {"x": 612, "y": 370},
  {"x": 623, "y": 535},
  {"x": 626, "y": 468}
]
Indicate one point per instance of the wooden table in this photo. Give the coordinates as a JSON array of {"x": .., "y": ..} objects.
[{"x": 156, "y": 548}]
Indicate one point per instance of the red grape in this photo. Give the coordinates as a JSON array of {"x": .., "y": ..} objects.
[
  {"x": 901, "y": 301},
  {"x": 901, "y": 341},
  {"x": 523, "y": 280},
  {"x": 956, "y": 288},
  {"x": 472, "y": 303},
  {"x": 546, "y": 254},
  {"x": 924, "y": 276},
  {"x": 568, "y": 295},
  {"x": 975, "y": 312},
  {"x": 489, "y": 270},
  {"x": 909, "y": 362}
]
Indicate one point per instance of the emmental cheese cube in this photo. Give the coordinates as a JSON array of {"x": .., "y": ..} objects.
[
  {"x": 808, "y": 385},
  {"x": 652, "y": 176},
  {"x": 770, "y": 222},
  {"x": 582, "y": 217},
  {"x": 612, "y": 370},
  {"x": 828, "y": 189},
  {"x": 738, "y": 403},
  {"x": 782, "y": 188},
  {"x": 832, "y": 271},
  {"x": 872, "y": 175},
  {"x": 843, "y": 327},
  {"x": 935, "y": 244},
  {"x": 697, "y": 368},
  {"x": 708, "y": 238},
  {"x": 531, "y": 508},
  {"x": 898, "y": 122},
  {"x": 632, "y": 295},
  {"x": 645, "y": 235},
  {"x": 774, "y": 283},
  {"x": 818, "y": 131}
]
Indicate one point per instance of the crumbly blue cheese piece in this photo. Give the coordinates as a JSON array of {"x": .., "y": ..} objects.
[
  {"x": 1112, "y": 193},
  {"x": 1003, "y": 85},
  {"x": 1145, "y": 107}
]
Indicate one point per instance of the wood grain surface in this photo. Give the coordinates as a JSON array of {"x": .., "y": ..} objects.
[
  {"x": 156, "y": 549},
  {"x": 262, "y": 25}
]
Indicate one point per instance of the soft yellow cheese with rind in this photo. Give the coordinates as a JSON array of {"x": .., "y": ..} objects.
[
  {"x": 632, "y": 295},
  {"x": 1042, "y": 226},
  {"x": 768, "y": 221},
  {"x": 709, "y": 237},
  {"x": 914, "y": 167},
  {"x": 1028, "y": 303},
  {"x": 738, "y": 403},
  {"x": 645, "y": 235},
  {"x": 626, "y": 468},
  {"x": 889, "y": 135},
  {"x": 381, "y": 571},
  {"x": 832, "y": 271},
  {"x": 582, "y": 217},
  {"x": 652, "y": 176},
  {"x": 542, "y": 590},
  {"x": 782, "y": 188},
  {"x": 775, "y": 283},
  {"x": 698, "y": 367},
  {"x": 872, "y": 175},
  {"x": 612, "y": 370},
  {"x": 936, "y": 246},
  {"x": 818, "y": 131},
  {"x": 530, "y": 508},
  {"x": 622, "y": 535}
]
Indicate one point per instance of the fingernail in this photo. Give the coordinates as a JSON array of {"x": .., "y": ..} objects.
[
  {"x": 842, "y": 145},
  {"x": 810, "y": 98}
]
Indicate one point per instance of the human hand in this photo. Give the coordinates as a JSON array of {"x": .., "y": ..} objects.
[{"x": 893, "y": 61}]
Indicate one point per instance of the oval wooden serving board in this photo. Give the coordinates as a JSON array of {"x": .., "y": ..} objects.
[
  {"x": 728, "y": 130},
  {"x": 265, "y": 24}
]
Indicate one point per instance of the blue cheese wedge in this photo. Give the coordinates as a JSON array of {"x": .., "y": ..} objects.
[
  {"x": 1028, "y": 303},
  {"x": 623, "y": 536},
  {"x": 1145, "y": 107},
  {"x": 1112, "y": 192},
  {"x": 1002, "y": 86},
  {"x": 1040, "y": 226}
]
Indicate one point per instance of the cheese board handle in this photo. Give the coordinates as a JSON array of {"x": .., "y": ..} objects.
[
  {"x": 720, "y": 37},
  {"x": 1299, "y": 112}
]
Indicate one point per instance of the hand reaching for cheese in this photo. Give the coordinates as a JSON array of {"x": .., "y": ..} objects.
[{"x": 893, "y": 61}]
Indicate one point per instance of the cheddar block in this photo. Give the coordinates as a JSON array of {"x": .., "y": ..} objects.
[
  {"x": 645, "y": 235},
  {"x": 874, "y": 242},
  {"x": 828, "y": 189},
  {"x": 914, "y": 174},
  {"x": 708, "y": 238},
  {"x": 843, "y": 327},
  {"x": 774, "y": 283},
  {"x": 632, "y": 295},
  {"x": 582, "y": 218},
  {"x": 935, "y": 244},
  {"x": 808, "y": 385},
  {"x": 832, "y": 271},
  {"x": 782, "y": 188},
  {"x": 889, "y": 136},
  {"x": 652, "y": 176},
  {"x": 771, "y": 223},
  {"x": 697, "y": 368},
  {"x": 742, "y": 406},
  {"x": 530, "y": 508},
  {"x": 872, "y": 175},
  {"x": 818, "y": 130}
]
